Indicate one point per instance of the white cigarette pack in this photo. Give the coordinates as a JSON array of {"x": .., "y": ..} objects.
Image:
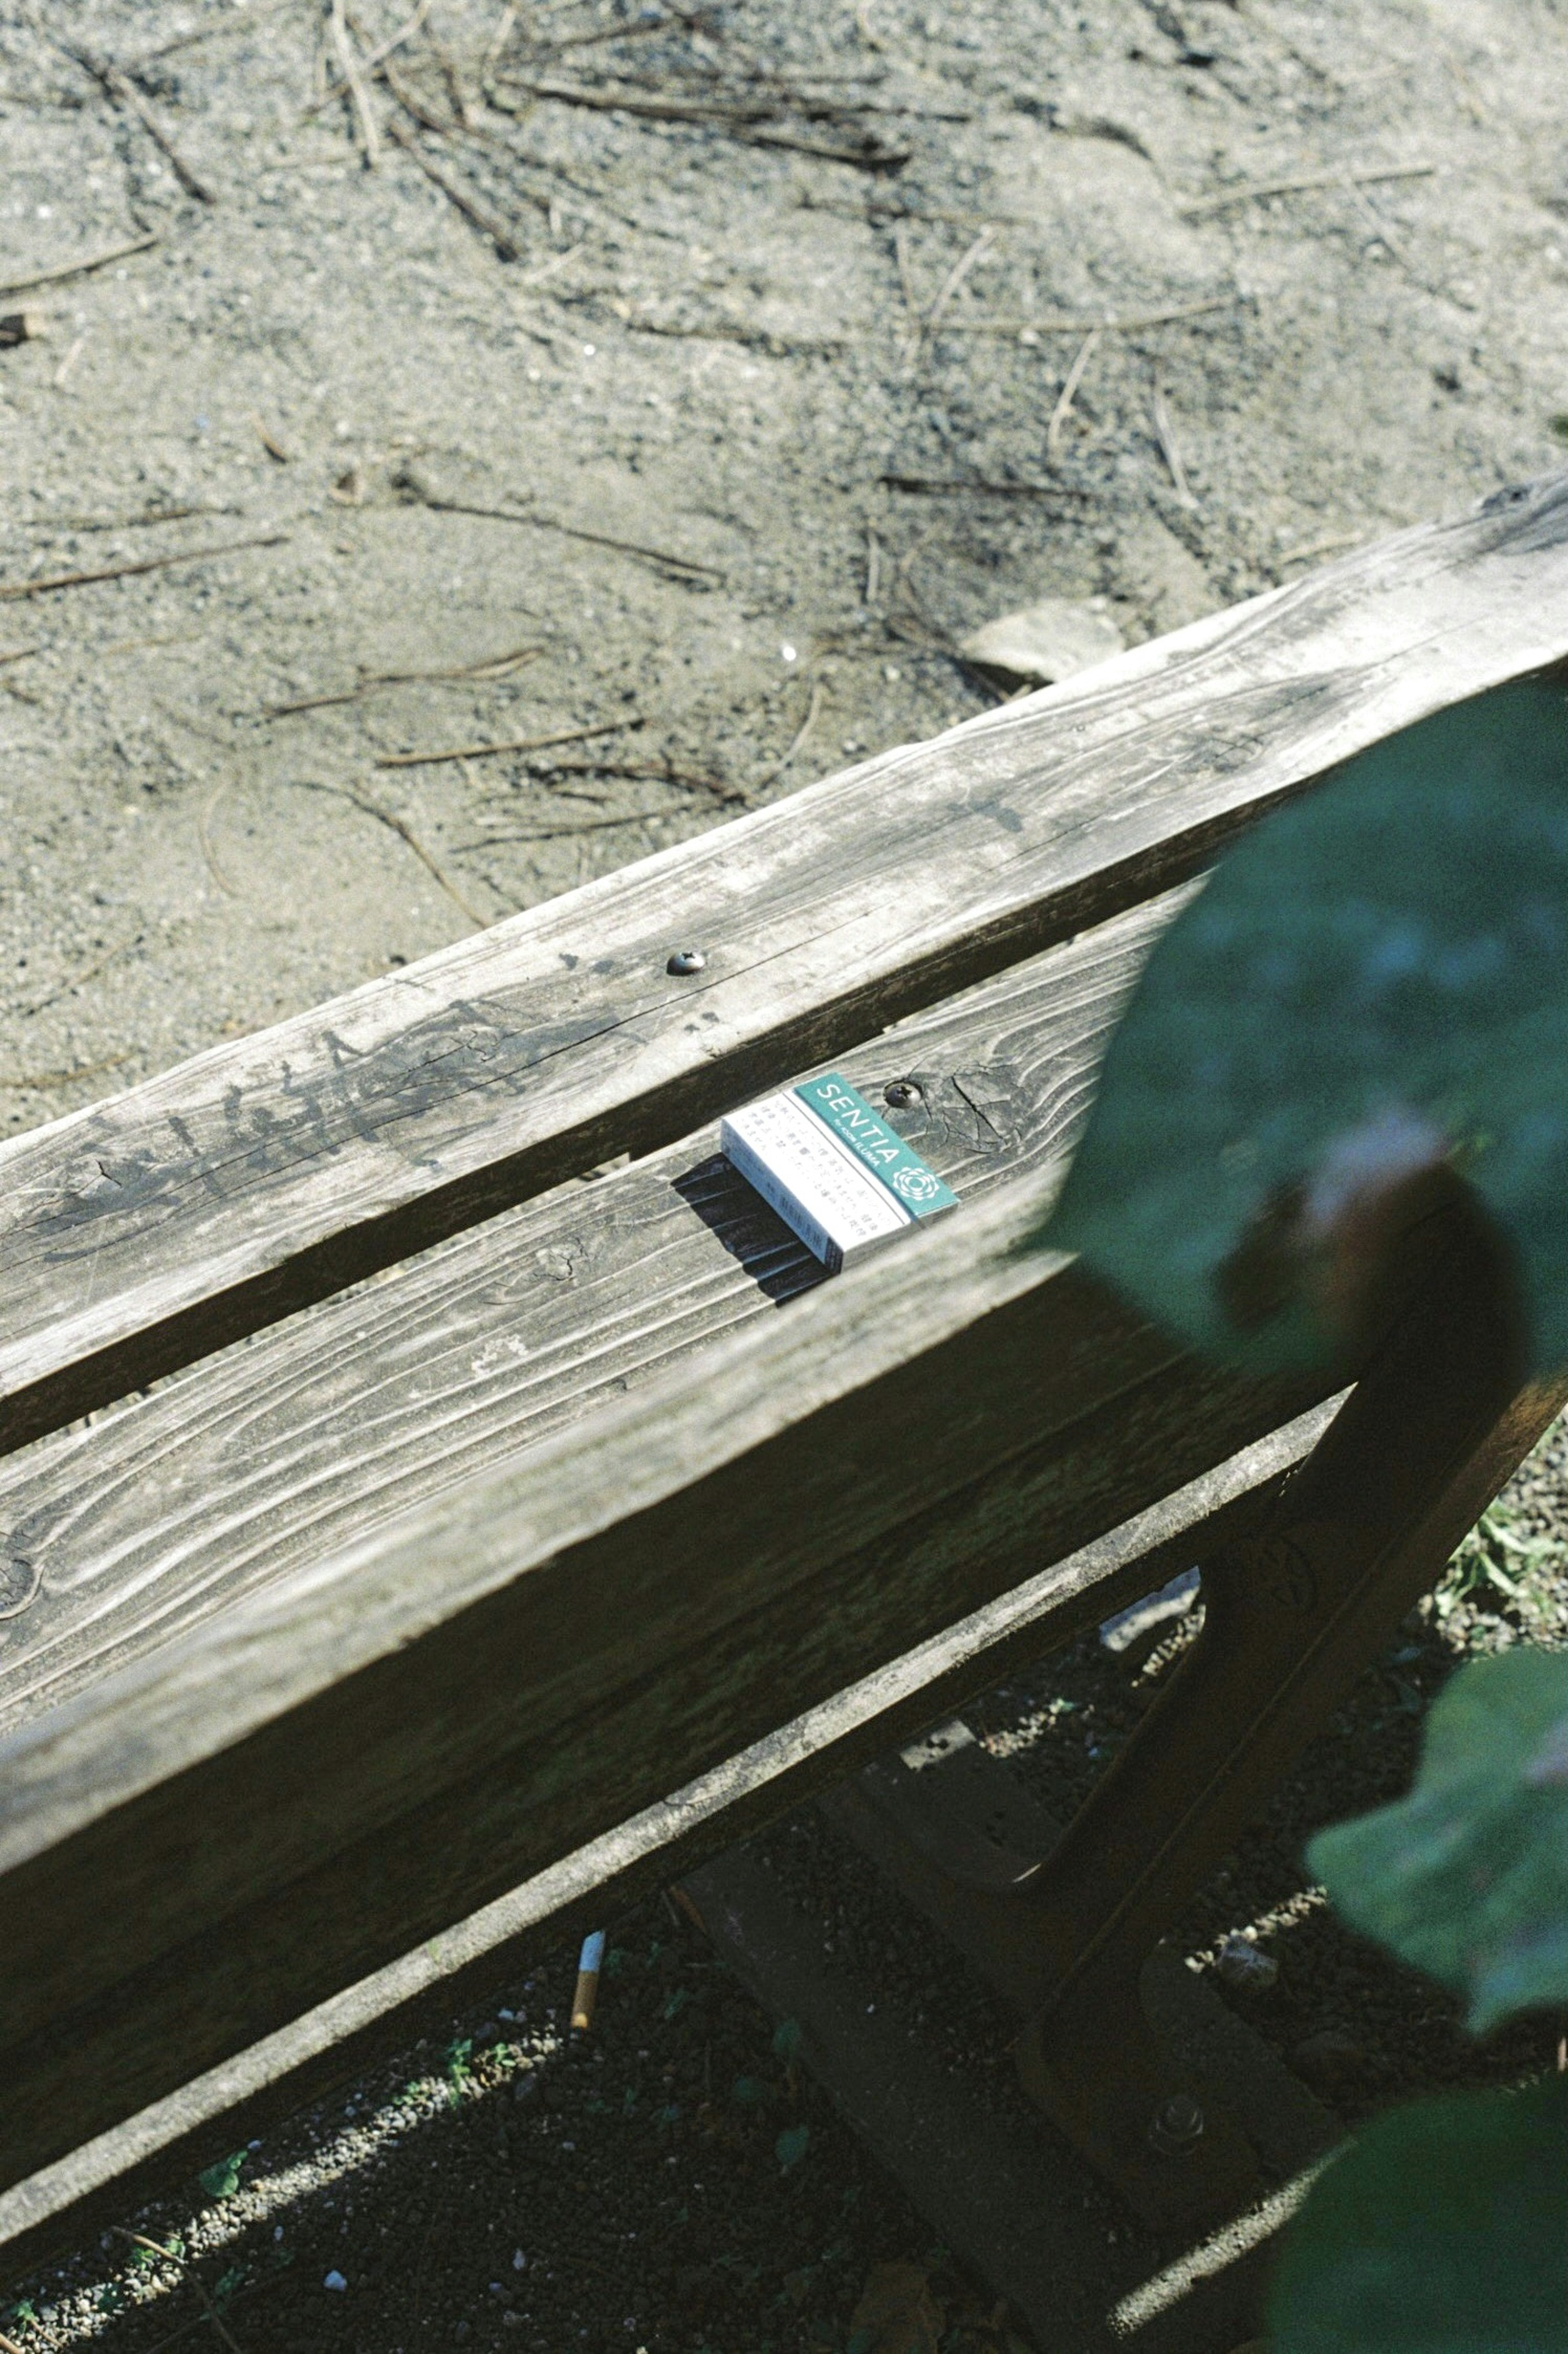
[{"x": 834, "y": 1170}]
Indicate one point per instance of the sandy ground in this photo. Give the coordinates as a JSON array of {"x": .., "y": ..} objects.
[
  {"x": 711, "y": 348},
  {"x": 809, "y": 389}
]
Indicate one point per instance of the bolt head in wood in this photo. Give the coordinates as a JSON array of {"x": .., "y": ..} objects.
[
  {"x": 685, "y": 961},
  {"x": 902, "y": 1093},
  {"x": 1177, "y": 2125}
]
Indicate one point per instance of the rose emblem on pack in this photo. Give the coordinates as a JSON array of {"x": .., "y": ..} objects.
[{"x": 915, "y": 1184}]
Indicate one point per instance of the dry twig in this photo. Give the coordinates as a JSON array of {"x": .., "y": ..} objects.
[
  {"x": 58, "y": 523},
  {"x": 747, "y": 121},
  {"x": 353, "y": 72},
  {"x": 149, "y": 564},
  {"x": 414, "y": 106},
  {"x": 650, "y": 772},
  {"x": 64, "y": 270},
  {"x": 1255, "y": 191},
  {"x": 1164, "y": 433},
  {"x": 957, "y": 275},
  {"x": 523, "y": 744},
  {"x": 1069, "y": 393},
  {"x": 405, "y": 833},
  {"x": 498, "y": 40},
  {"x": 1113, "y": 323},
  {"x": 113, "y": 80},
  {"x": 501, "y": 237},
  {"x": 682, "y": 563},
  {"x": 274, "y": 449},
  {"x": 78, "y": 980},
  {"x": 204, "y": 831},
  {"x": 19, "y": 654},
  {"x": 493, "y": 666},
  {"x": 936, "y": 486},
  {"x": 771, "y": 776},
  {"x": 171, "y": 2256},
  {"x": 23, "y": 1079},
  {"x": 394, "y": 41}
]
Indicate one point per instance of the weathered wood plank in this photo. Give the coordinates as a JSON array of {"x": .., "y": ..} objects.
[
  {"x": 145, "y": 1232},
  {"x": 238, "y": 1471},
  {"x": 281, "y": 1801},
  {"x": 479, "y": 1959}
]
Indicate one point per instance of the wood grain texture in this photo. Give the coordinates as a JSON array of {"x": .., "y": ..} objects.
[
  {"x": 272, "y": 1805},
  {"x": 472, "y": 1965},
  {"x": 118, "y": 1536},
  {"x": 142, "y": 1233}
]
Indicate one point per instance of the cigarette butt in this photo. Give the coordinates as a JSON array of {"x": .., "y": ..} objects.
[
  {"x": 590, "y": 1961},
  {"x": 22, "y": 326}
]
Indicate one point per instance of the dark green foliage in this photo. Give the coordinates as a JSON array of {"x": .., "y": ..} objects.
[
  {"x": 1373, "y": 983},
  {"x": 1443, "y": 2229},
  {"x": 1468, "y": 1876},
  {"x": 222, "y": 2180}
]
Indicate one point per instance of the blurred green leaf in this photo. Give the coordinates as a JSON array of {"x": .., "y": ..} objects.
[
  {"x": 222, "y": 2180},
  {"x": 750, "y": 2091},
  {"x": 1372, "y": 984},
  {"x": 1468, "y": 1876},
  {"x": 791, "y": 2146},
  {"x": 1442, "y": 2229}
]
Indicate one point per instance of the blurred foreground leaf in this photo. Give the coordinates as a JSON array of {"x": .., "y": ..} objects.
[
  {"x": 1468, "y": 1876},
  {"x": 1371, "y": 987},
  {"x": 1443, "y": 2229}
]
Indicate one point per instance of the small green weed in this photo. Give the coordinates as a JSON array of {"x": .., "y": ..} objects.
[{"x": 1495, "y": 1559}]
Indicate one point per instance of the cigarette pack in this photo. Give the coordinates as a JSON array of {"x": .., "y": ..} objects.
[{"x": 834, "y": 1171}]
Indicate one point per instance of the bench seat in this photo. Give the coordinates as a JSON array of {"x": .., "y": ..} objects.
[{"x": 392, "y": 1512}]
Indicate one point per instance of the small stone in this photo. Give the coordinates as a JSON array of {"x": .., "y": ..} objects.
[
  {"x": 1045, "y": 642},
  {"x": 1240, "y": 1964},
  {"x": 1137, "y": 1625},
  {"x": 334, "y": 2279}
]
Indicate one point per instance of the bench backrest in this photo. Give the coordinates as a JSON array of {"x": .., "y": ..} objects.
[{"x": 404, "y": 1588}]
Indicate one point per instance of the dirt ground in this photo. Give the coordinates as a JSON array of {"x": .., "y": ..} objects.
[{"x": 763, "y": 394}]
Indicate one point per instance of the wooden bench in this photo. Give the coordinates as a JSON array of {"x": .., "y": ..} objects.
[{"x": 410, "y": 1538}]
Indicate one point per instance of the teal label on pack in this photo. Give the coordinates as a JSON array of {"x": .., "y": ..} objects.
[{"x": 878, "y": 1148}]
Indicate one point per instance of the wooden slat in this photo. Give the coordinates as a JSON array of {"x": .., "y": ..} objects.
[
  {"x": 142, "y": 1233},
  {"x": 474, "y": 1964},
  {"x": 253, "y": 1464},
  {"x": 283, "y": 1800}
]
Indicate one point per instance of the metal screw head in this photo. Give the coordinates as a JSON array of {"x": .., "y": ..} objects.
[
  {"x": 1177, "y": 2125},
  {"x": 686, "y": 961},
  {"x": 901, "y": 1093}
]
